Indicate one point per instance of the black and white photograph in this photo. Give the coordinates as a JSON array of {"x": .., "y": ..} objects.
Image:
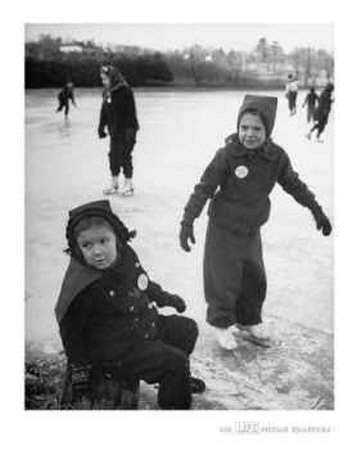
[
  {"x": 179, "y": 209},
  {"x": 178, "y": 220}
]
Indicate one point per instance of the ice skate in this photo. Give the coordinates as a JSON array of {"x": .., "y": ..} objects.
[
  {"x": 111, "y": 190},
  {"x": 256, "y": 334},
  {"x": 128, "y": 189},
  {"x": 225, "y": 338}
]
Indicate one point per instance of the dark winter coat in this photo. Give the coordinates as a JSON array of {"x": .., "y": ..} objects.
[
  {"x": 239, "y": 181},
  {"x": 103, "y": 315},
  {"x": 118, "y": 110},
  {"x": 65, "y": 95},
  {"x": 325, "y": 101}
]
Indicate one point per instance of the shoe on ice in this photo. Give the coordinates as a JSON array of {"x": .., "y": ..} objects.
[
  {"x": 128, "y": 189},
  {"x": 111, "y": 190},
  {"x": 226, "y": 338},
  {"x": 259, "y": 332}
]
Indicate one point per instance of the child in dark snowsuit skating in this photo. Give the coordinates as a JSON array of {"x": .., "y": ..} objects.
[
  {"x": 66, "y": 94},
  {"x": 322, "y": 112},
  {"x": 118, "y": 117},
  {"x": 108, "y": 319},
  {"x": 245, "y": 171},
  {"x": 310, "y": 101}
]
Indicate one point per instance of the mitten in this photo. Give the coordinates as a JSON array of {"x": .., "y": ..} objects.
[
  {"x": 186, "y": 234},
  {"x": 322, "y": 222},
  {"x": 177, "y": 302}
]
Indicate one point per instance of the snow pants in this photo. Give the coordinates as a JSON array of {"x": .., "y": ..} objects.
[
  {"x": 234, "y": 277},
  {"x": 120, "y": 154},
  {"x": 166, "y": 361}
]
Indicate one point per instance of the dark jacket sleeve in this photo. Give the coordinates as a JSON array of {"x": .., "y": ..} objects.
[
  {"x": 291, "y": 183},
  {"x": 103, "y": 120},
  {"x": 157, "y": 294},
  {"x": 213, "y": 176},
  {"x": 72, "y": 328}
]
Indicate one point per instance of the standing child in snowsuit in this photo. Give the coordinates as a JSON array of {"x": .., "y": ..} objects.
[
  {"x": 291, "y": 94},
  {"x": 107, "y": 314},
  {"x": 245, "y": 171},
  {"x": 322, "y": 112},
  {"x": 118, "y": 116},
  {"x": 311, "y": 101},
  {"x": 66, "y": 94}
]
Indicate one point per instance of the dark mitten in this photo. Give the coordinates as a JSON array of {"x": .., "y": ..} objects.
[
  {"x": 197, "y": 385},
  {"x": 178, "y": 303},
  {"x": 102, "y": 134},
  {"x": 186, "y": 234},
  {"x": 80, "y": 381},
  {"x": 322, "y": 222}
]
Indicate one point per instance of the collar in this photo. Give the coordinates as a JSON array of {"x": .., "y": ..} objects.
[{"x": 267, "y": 151}]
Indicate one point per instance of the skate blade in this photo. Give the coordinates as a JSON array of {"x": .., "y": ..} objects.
[
  {"x": 108, "y": 193},
  {"x": 126, "y": 194},
  {"x": 265, "y": 343}
]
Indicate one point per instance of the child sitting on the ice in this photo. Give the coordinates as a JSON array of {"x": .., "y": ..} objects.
[
  {"x": 245, "y": 171},
  {"x": 108, "y": 317}
]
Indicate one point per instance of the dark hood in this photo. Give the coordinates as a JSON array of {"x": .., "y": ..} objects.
[{"x": 266, "y": 107}]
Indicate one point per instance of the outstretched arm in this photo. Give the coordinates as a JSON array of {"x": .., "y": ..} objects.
[{"x": 291, "y": 183}]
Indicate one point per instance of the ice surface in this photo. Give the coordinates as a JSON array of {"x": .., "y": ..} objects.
[{"x": 66, "y": 165}]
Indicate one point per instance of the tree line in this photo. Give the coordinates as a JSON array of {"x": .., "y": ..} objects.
[{"x": 49, "y": 62}]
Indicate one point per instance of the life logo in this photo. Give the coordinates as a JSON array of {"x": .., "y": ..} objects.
[{"x": 241, "y": 171}]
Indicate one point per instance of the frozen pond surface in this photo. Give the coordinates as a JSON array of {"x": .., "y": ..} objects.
[{"x": 66, "y": 164}]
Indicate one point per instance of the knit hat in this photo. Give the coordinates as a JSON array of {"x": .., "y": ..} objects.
[
  {"x": 265, "y": 107},
  {"x": 99, "y": 208}
]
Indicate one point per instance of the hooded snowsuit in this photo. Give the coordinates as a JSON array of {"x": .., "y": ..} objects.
[
  {"x": 110, "y": 318},
  {"x": 238, "y": 181},
  {"x": 118, "y": 115}
]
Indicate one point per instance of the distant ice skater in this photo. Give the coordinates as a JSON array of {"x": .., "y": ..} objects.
[
  {"x": 322, "y": 112},
  {"x": 118, "y": 117},
  {"x": 66, "y": 94},
  {"x": 311, "y": 101},
  {"x": 292, "y": 93}
]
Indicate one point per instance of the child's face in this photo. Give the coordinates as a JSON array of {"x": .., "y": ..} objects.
[
  {"x": 252, "y": 133},
  {"x": 105, "y": 80},
  {"x": 98, "y": 246}
]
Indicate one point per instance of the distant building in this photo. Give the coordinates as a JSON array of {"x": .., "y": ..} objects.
[{"x": 70, "y": 48}]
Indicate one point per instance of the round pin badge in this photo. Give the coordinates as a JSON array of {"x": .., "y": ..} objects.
[
  {"x": 142, "y": 282},
  {"x": 241, "y": 171}
]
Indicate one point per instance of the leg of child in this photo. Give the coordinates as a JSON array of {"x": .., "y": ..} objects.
[
  {"x": 253, "y": 286},
  {"x": 223, "y": 268},
  {"x": 178, "y": 331},
  {"x": 128, "y": 145},
  {"x": 157, "y": 362},
  {"x": 114, "y": 163}
]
